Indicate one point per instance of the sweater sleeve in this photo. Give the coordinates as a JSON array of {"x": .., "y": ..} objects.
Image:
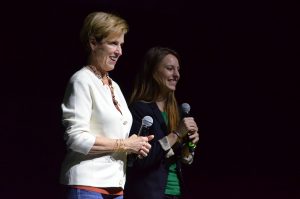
[{"x": 76, "y": 110}]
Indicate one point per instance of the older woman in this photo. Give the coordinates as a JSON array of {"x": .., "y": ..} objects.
[{"x": 96, "y": 116}]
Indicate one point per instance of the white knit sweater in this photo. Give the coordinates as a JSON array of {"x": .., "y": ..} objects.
[{"x": 88, "y": 111}]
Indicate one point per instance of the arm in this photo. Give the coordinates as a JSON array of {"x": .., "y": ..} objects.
[
  {"x": 76, "y": 113},
  {"x": 133, "y": 144},
  {"x": 77, "y": 110}
]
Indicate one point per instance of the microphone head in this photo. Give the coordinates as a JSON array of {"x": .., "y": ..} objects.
[
  {"x": 185, "y": 108},
  {"x": 147, "y": 121}
]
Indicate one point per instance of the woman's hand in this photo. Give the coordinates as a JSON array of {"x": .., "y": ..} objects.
[
  {"x": 193, "y": 136},
  {"x": 187, "y": 125},
  {"x": 138, "y": 144}
]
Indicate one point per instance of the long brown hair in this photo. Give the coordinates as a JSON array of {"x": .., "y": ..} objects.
[{"x": 147, "y": 88}]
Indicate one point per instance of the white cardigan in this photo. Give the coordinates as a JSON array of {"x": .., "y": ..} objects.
[{"x": 88, "y": 111}]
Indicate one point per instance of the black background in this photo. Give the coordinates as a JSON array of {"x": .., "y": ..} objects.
[{"x": 238, "y": 73}]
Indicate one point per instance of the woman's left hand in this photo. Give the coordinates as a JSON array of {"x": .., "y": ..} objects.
[{"x": 193, "y": 136}]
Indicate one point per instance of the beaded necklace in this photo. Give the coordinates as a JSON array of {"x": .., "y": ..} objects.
[{"x": 96, "y": 72}]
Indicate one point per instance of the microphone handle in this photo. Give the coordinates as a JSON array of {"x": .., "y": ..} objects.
[{"x": 144, "y": 131}]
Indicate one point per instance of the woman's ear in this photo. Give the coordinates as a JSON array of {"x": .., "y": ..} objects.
[{"x": 92, "y": 42}]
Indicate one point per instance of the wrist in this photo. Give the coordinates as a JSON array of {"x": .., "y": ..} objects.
[
  {"x": 176, "y": 133},
  {"x": 120, "y": 145},
  {"x": 125, "y": 145}
]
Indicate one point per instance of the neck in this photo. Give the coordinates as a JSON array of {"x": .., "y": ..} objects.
[
  {"x": 161, "y": 105},
  {"x": 99, "y": 70},
  {"x": 100, "y": 74}
]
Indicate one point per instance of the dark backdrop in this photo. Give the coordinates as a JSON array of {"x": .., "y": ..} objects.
[{"x": 238, "y": 74}]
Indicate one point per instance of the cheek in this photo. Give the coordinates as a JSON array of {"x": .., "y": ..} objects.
[
  {"x": 162, "y": 74},
  {"x": 103, "y": 58},
  {"x": 166, "y": 75},
  {"x": 158, "y": 77}
]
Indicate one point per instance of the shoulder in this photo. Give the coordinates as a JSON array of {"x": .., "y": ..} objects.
[
  {"x": 82, "y": 74},
  {"x": 142, "y": 107}
]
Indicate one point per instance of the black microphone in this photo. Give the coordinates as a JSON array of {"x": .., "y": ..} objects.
[
  {"x": 147, "y": 122},
  {"x": 185, "y": 112}
]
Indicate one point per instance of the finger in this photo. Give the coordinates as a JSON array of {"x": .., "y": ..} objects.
[
  {"x": 195, "y": 139},
  {"x": 144, "y": 149},
  {"x": 133, "y": 136},
  {"x": 147, "y": 146},
  {"x": 193, "y": 128},
  {"x": 193, "y": 135},
  {"x": 140, "y": 156},
  {"x": 150, "y": 137},
  {"x": 143, "y": 153}
]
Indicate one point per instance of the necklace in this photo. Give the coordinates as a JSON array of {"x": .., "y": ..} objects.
[{"x": 96, "y": 72}]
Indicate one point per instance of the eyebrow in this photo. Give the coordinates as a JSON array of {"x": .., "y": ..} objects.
[{"x": 172, "y": 65}]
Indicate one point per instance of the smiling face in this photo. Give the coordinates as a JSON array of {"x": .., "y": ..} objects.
[
  {"x": 167, "y": 73},
  {"x": 105, "y": 53}
]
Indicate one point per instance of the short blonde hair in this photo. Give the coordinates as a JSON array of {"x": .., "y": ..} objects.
[{"x": 100, "y": 25}]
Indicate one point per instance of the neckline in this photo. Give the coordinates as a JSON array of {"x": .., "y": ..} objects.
[{"x": 96, "y": 72}]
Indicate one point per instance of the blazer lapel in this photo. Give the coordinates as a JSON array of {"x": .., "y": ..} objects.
[{"x": 157, "y": 114}]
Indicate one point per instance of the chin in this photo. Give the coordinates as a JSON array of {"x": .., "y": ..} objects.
[
  {"x": 172, "y": 88},
  {"x": 110, "y": 68}
]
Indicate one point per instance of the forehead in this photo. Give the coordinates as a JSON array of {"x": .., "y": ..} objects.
[
  {"x": 170, "y": 60},
  {"x": 115, "y": 37}
]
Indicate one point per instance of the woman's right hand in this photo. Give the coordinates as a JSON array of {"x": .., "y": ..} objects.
[
  {"x": 138, "y": 144},
  {"x": 186, "y": 125}
]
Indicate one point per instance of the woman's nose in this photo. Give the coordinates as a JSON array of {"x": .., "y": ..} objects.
[
  {"x": 119, "y": 50},
  {"x": 176, "y": 73}
]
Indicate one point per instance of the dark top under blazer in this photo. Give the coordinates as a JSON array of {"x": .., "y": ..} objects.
[{"x": 146, "y": 179}]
